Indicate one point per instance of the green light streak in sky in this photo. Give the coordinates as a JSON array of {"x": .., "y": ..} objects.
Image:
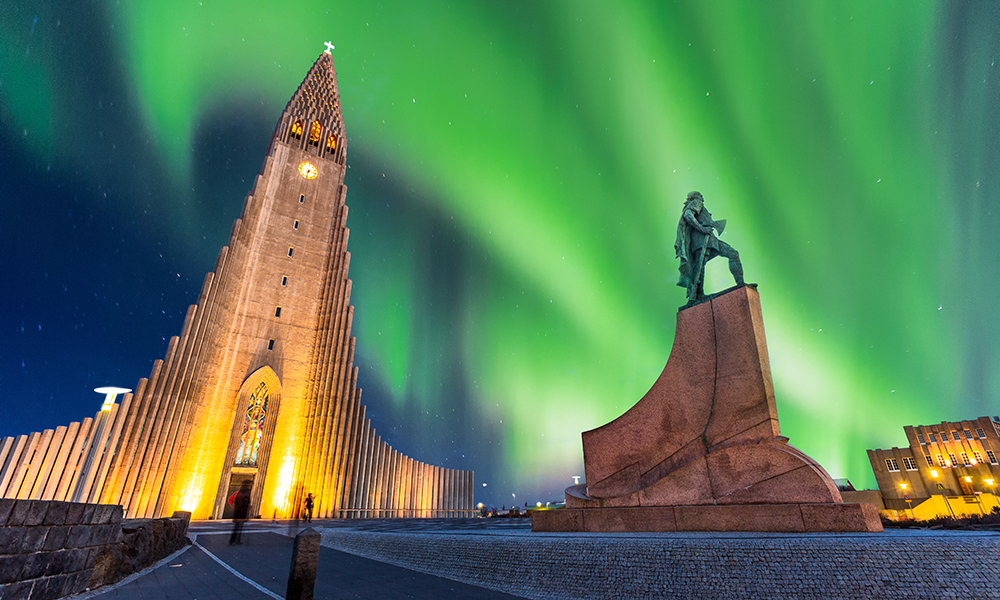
[{"x": 558, "y": 141}]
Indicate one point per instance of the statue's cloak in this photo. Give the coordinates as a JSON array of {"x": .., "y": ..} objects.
[{"x": 683, "y": 248}]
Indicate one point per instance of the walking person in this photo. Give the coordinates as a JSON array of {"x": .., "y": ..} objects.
[
  {"x": 240, "y": 501},
  {"x": 309, "y": 508}
]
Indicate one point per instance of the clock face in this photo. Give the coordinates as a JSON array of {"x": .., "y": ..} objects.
[{"x": 308, "y": 170}]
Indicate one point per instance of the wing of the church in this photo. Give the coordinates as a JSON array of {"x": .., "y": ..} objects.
[{"x": 260, "y": 386}]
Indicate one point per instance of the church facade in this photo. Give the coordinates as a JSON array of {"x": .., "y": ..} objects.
[{"x": 260, "y": 385}]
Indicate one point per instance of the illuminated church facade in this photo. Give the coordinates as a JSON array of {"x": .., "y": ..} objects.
[{"x": 260, "y": 385}]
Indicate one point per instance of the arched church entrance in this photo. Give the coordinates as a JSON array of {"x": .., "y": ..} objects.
[{"x": 250, "y": 441}]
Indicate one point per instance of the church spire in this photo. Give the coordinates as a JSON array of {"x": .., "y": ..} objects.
[{"x": 312, "y": 120}]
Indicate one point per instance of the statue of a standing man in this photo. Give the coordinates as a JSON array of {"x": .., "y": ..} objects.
[{"x": 696, "y": 244}]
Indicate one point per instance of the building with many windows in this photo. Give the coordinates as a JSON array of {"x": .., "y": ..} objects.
[{"x": 948, "y": 459}]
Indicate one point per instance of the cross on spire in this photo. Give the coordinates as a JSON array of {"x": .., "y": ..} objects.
[{"x": 329, "y": 46}]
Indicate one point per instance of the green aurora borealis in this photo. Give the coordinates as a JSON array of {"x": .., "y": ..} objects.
[{"x": 517, "y": 172}]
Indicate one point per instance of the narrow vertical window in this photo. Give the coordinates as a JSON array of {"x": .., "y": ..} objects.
[
  {"x": 297, "y": 130},
  {"x": 930, "y": 461},
  {"x": 277, "y": 311},
  {"x": 992, "y": 457},
  {"x": 284, "y": 281},
  {"x": 941, "y": 462},
  {"x": 968, "y": 434},
  {"x": 980, "y": 432},
  {"x": 314, "y": 133},
  {"x": 331, "y": 143},
  {"x": 296, "y": 224},
  {"x": 270, "y": 344},
  {"x": 291, "y": 251},
  {"x": 977, "y": 455},
  {"x": 933, "y": 437},
  {"x": 920, "y": 438},
  {"x": 253, "y": 426},
  {"x": 302, "y": 198},
  {"x": 953, "y": 462}
]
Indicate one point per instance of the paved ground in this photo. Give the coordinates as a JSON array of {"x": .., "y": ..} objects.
[
  {"x": 507, "y": 556},
  {"x": 504, "y": 555},
  {"x": 264, "y": 560}
]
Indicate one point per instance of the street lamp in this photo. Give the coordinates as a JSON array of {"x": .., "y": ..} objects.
[
  {"x": 85, "y": 478},
  {"x": 906, "y": 497},
  {"x": 110, "y": 393}
]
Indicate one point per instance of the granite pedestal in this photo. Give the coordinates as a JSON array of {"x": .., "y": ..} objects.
[{"x": 702, "y": 450}]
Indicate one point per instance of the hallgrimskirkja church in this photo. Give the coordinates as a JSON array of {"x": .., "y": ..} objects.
[{"x": 260, "y": 386}]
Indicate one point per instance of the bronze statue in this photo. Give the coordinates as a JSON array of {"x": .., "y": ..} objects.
[{"x": 696, "y": 244}]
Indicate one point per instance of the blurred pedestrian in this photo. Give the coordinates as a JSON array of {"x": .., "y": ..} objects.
[
  {"x": 240, "y": 501},
  {"x": 309, "y": 508}
]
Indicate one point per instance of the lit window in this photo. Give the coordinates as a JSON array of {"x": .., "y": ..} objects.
[
  {"x": 980, "y": 433},
  {"x": 965, "y": 458},
  {"x": 956, "y": 436},
  {"x": 284, "y": 281},
  {"x": 297, "y": 130},
  {"x": 920, "y": 438},
  {"x": 270, "y": 344},
  {"x": 954, "y": 461},
  {"x": 892, "y": 464},
  {"x": 314, "y": 133},
  {"x": 302, "y": 198},
  {"x": 331, "y": 143},
  {"x": 930, "y": 461},
  {"x": 291, "y": 251},
  {"x": 941, "y": 460},
  {"x": 909, "y": 463},
  {"x": 295, "y": 225},
  {"x": 253, "y": 427},
  {"x": 968, "y": 434},
  {"x": 933, "y": 437},
  {"x": 277, "y": 311},
  {"x": 992, "y": 457},
  {"x": 977, "y": 455}
]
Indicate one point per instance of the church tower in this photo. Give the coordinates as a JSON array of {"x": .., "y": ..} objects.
[{"x": 261, "y": 386}]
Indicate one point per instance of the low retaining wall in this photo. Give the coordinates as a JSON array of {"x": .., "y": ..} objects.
[
  {"x": 789, "y": 566},
  {"x": 52, "y": 549}
]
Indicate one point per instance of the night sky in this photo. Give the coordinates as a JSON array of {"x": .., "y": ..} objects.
[{"x": 516, "y": 175}]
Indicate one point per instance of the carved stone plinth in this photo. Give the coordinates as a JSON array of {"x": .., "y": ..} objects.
[
  {"x": 702, "y": 449},
  {"x": 787, "y": 518}
]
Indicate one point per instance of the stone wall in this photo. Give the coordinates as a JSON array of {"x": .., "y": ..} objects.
[
  {"x": 143, "y": 542},
  {"x": 52, "y": 549}
]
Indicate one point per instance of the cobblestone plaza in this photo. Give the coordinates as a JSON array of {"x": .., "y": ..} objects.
[{"x": 504, "y": 555}]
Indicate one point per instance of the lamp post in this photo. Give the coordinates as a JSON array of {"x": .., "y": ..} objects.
[
  {"x": 907, "y": 498},
  {"x": 82, "y": 491},
  {"x": 110, "y": 393}
]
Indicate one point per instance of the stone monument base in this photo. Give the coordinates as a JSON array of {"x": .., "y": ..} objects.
[{"x": 783, "y": 518}]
